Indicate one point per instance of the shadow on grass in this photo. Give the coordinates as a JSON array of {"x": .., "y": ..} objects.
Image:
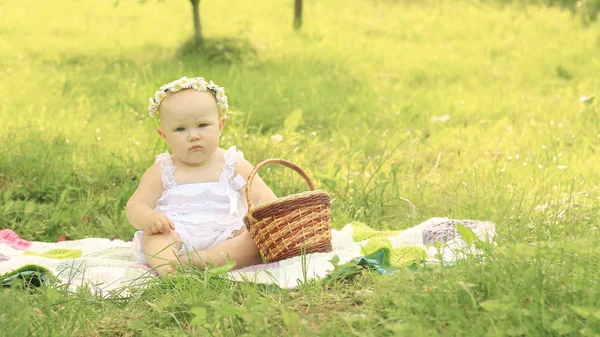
[{"x": 220, "y": 50}]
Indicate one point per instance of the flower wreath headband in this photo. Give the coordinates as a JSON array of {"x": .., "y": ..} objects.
[{"x": 196, "y": 83}]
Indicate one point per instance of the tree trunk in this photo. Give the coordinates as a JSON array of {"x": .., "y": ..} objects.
[
  {"x": 297, "y": 14},
  {"x": 197, "y": 25}
]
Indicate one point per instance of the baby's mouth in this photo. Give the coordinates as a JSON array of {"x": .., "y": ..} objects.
[{"x": 195, "y": 147}]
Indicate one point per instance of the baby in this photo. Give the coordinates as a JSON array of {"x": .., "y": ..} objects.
[{"x": 189, "y": 205}]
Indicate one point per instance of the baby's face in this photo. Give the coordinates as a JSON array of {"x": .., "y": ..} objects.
[{"x": 190, "y": 125}]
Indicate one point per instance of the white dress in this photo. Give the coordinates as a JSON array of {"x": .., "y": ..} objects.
[{"x": 204, "y": 214}]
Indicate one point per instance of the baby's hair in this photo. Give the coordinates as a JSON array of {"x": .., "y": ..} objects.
[{"x": 196, "y": 83}]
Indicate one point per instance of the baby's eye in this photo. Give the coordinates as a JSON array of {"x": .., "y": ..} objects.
[
  {"x": 203, "y": 125},
  {"x": 179, "y": 129}
]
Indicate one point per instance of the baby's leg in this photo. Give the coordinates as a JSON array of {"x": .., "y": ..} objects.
[
  {"x": 237, "y": 232},
  {"x": 161, "y": 250},
  {"x": 240, "y": 249}
]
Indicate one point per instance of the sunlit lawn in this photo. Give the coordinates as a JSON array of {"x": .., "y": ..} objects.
[{"x": 455, "y": 109}]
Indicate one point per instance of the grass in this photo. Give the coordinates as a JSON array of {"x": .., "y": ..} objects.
[{"x": 373, "y": 81}]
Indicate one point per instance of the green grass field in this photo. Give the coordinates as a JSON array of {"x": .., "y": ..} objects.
[{"x": 458, "y": 108}]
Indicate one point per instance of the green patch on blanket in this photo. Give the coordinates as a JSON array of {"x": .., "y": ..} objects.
[
  {"x": 397, "y": 257},
  {"x": 378, "y": 261},
  {"x": 361, "y": 231},
  {"x": 60, "y": 253},
  {"x": 27, "y": 276}
]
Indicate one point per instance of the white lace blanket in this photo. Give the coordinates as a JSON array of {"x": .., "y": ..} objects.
[{"x": 108, "y": 266}]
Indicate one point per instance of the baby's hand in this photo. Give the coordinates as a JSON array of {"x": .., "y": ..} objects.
[{"x": 159, "y": 223}]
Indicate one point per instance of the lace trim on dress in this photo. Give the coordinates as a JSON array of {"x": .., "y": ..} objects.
[
  {"x": 167, "y": 170},
  {"x": 230, "y": 157},
  {"x": 191, "y": 219},
  {"x": 233, "y": 183}
]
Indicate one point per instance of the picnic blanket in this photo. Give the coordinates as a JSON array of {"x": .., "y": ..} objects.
[{"x": 110, "y": 267}]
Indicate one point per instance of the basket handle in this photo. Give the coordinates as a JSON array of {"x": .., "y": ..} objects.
[{"x": 270, "y": 162}]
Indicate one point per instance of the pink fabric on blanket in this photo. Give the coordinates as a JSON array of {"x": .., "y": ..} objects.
[{"x": 9, "y": 237}]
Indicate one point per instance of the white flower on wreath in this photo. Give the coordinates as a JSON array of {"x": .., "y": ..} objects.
[
  {"x": 152, "y": 110},
  {"x": 223, "y": 111},
  {"x": 177, "y": 86},
  {"x": 198, "y": 84},
  {"x": 160, "y": 95}
]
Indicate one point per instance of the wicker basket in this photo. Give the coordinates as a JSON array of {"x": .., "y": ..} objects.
[{"x": 292, "y": 225}]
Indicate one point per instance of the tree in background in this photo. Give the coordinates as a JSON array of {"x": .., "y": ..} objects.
[
  {"x": 297, "y": 14},
  {"x": 586, "y": 10},
  {"x": 197, "y": 26},
  {"x": 199, "y": 40}
]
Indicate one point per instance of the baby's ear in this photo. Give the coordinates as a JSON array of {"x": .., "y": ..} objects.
[
  {"x": 161, "y": 133},
  {"x": 222, "y": 124}
]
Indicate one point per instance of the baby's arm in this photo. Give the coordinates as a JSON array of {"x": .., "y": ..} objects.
[
  {"x": 261, "y": 193},
  {"x": 140, "y": 207}
]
